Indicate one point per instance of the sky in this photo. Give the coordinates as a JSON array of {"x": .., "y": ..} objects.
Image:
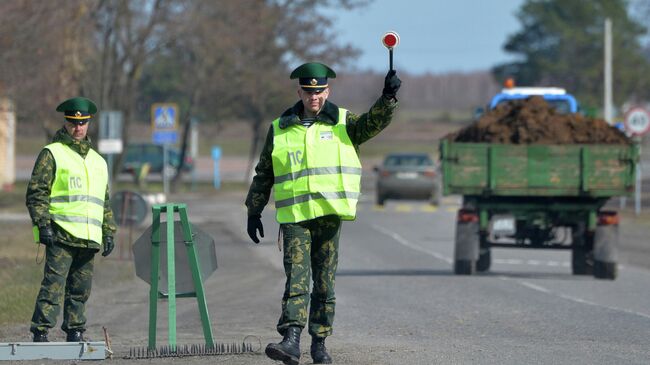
[{"x": 436, "y": 36}]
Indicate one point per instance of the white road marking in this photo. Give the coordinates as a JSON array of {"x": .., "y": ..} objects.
[
  {"x": 571, "y": 298},
  {"x": 411, "y": 245},
  {"x": 534, "y": 286},
  {"x": 403, "y": 241}
]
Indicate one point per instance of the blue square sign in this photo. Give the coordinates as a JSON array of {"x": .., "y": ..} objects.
[
  {"x": 164, "y": 137},
  {"x": 164, "y": 121}
]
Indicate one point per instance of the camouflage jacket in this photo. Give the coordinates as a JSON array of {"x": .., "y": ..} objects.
[
  {"x": 38, "y": 193},
  {"x": 360, "y": 128}
]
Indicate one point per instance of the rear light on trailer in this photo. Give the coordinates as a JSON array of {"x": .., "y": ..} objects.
[
  {"x": 467, "y": 216},
  {"x": 608, "y": 218}
]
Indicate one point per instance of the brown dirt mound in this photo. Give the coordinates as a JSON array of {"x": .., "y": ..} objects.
[{"x": 534, "y": 121}]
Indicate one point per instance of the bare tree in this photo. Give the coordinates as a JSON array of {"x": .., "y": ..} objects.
[
  {"x": 43, "y": 49},
  {"x": 130, "y": 32}
]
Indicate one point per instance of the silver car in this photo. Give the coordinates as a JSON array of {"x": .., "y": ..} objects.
[{"x": 407, "y": 176}]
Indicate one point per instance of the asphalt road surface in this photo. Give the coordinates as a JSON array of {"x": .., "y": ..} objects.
[{"x": 398, "y": 301}]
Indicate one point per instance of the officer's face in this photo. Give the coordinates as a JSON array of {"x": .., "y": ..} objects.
[
  {"x": 76, "y": 130},
  {"x": 313, "y": 100}
]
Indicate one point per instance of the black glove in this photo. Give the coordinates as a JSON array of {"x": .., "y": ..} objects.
[
  {"x": 255, "y": 224},
  {"x": 46, "y": 235},
  {"x": 391, "y": 84},
  {"x": 108, "y": 245}
]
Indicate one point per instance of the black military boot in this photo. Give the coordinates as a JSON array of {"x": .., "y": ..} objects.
[
  {"x": 75, "y": 336},
  {"x": 40, "y": 336},
  {"x": 287, "y": 351},
  {"x": 319, "y": 352}
]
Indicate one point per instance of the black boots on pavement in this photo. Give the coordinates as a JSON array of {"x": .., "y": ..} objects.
[
  {"x": 319, "y": 352},
  {"x": 71, "y": 336},
  {"x": 75, "y": 336},
  {"x": 40, "y": 336},
  {"x": 288, "y": 350}
]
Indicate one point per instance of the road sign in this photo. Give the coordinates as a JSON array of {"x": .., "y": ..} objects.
[
  {"x": 164, "y": 123},
  {"x": 164, "y": 137},
  {"x": 129, "y": 208},
  {"x": 637, "y": 121},
  {"x": 110, "y": 132},
  {"x": 206, "y": 254}
]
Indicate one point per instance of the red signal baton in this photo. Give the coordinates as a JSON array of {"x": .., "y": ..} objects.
[{"x": 390, "y": 40}]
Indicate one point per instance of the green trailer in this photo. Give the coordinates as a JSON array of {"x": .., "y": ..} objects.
[{"x": 537, "y": 196}]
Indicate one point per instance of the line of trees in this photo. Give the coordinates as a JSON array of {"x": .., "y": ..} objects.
[
  {"x": 230, "y": 59},
  {"x": 216, "y": 58},
  {"x": 561, "y": 43}
]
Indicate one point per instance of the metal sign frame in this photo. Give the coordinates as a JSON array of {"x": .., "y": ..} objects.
[{"x": 154, "y": 293}]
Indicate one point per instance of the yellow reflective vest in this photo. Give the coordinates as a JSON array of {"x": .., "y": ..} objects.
[
  {"x": 316, "y": 171},
  {"x": 78, "y": 191}
]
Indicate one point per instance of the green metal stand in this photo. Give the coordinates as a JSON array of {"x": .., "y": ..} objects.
[{"x": 155, "y": 294}]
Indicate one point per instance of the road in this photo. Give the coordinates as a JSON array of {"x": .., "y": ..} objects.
[{"x": 397, "y": 299}]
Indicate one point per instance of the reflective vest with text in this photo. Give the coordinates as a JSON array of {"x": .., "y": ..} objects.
[
  {"x": 78, "y": 192},
  {"x": 316, "y": 171}
]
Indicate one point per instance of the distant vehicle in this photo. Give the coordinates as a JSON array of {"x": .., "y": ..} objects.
[
  {"x": 406, "y": 176},
  {"x": 137, "y": 154}
]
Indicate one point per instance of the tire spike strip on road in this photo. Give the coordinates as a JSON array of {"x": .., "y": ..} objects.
[{"x": 189, "y": 350}]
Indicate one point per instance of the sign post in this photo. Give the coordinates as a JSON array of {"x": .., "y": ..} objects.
[
  {"x": 216, "y": 157},
  {"x": 637, "y": 123},
  {"x": 110, "y": 137},
  {"x": 164, "y": 131}
]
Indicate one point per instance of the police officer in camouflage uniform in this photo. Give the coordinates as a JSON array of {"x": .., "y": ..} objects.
[
  {"x": 67, "y": 199},
  {"x": 310, "y": 158}
]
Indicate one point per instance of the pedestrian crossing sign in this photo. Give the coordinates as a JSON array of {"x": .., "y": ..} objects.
[{"x": 164, "y": 117}]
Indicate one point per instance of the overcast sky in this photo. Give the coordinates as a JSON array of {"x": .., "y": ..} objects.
[{"x": 436, "y": 35}]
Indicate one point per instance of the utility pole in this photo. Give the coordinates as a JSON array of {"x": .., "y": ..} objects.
[{"x": 608, "y": 72}]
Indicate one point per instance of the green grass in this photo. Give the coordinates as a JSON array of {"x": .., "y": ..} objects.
[
  {"x": 29, "y": 145},
  {"x": 378, "y": 148},
  {"x": 19, "y": 273},
  {"x": 184, "y": 188},
  {"x": 14, "y": 200},
  {"x": 21, "y": 282},
  {"x": 229, "y": 146},
  {"x": 428, "y": 115}
]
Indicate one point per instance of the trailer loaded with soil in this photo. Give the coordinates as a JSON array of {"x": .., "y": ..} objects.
[{"x": 534, "y": 173}]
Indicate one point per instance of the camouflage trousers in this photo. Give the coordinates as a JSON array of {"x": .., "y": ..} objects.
[
  {"x": 310, "y": 249},
  {"x": 67, "y": 275}
]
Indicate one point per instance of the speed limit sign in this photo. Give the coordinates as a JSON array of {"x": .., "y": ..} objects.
[{"x": 637, "y": 121}]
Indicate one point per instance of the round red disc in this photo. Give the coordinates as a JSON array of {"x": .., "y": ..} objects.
[{"x": 390, "y": 39}]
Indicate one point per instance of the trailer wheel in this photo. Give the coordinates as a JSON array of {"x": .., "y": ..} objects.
[
  {"x": 605, "y": 252},
  {"x": 605, "y": 270},
  {"x": 434, "y": 200},
  {"x": 582, "y": 262},
  {"x": 484, "y": 260},
  {"x": 380, "y": 199},
  {"x": 464, "y": 267},
  {"x": 467, "y": 242}
]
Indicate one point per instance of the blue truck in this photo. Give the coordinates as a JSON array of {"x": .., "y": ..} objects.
[{"x": 562, "y": 101}]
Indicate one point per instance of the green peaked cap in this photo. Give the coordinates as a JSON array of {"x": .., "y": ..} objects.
[
  {"x": 312, "y": 69},
  {"x": 78, "y": 104}
]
